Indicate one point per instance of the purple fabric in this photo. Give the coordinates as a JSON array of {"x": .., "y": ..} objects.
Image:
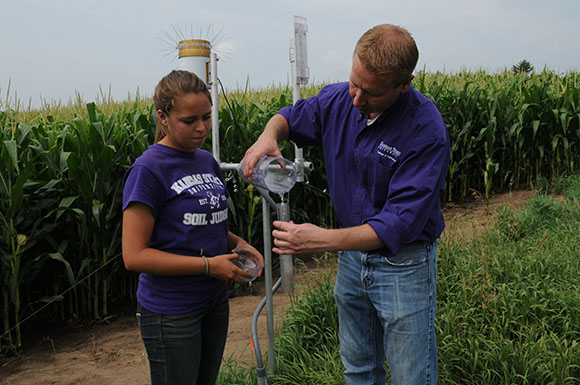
[
  {"x": 188, "y": 196},
  {"x": 389, "y": 174}
]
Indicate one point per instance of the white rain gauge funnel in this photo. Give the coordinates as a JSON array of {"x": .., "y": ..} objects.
[{"x": 194, "y": 57}]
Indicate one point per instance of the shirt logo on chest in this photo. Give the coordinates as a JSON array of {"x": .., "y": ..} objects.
[
  {"x": 386, "y": 151},
  {"x": 196, "y": 182}
]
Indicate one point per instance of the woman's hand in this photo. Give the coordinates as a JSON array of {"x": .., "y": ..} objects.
[
  {"x": 254, "y": 254},
  {"x": 240, "y": 246},
  {"x": 222, "y": 267}
]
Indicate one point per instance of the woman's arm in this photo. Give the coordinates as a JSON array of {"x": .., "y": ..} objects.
[{"x": 138, "y": 223}]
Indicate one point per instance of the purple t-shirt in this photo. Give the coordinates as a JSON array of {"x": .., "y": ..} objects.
[
  {"x": 389, "y": 174},
  {"x": 188, "y": 196}
]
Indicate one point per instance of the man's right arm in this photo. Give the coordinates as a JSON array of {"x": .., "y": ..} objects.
[{"x": 276, "y": 130}]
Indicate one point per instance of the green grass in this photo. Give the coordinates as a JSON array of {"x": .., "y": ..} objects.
[{"x": 232, "y": 373}]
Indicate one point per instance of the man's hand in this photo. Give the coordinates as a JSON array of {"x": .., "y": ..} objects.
[
  {"x": 290, "y": 238},
  {"x": 259, "y": 148},
  {"x": 267, "y": 144}
]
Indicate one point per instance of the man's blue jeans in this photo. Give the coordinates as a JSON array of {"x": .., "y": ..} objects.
[
  {"x": 386, "y": 310},
  {"x": 185, "y": 348}
]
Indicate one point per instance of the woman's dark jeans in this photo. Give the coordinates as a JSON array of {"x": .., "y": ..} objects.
[{"x": 185, "y": 348}]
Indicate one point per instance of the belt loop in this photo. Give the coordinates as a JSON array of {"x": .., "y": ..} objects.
[{"x": 431, "y": 245}]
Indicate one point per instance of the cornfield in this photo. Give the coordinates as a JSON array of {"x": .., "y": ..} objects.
[{"x": 61, "y": 171}]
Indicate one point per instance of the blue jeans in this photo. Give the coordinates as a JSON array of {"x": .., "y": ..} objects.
[
  {"x": 185, "y": 348},
  {"x": 386, "y": 310}
]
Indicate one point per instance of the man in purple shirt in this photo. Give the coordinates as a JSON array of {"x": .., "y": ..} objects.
[{"x": 386, "y": 151}]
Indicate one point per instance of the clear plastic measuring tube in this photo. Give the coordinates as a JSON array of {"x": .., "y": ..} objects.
[{"x": 275, "y": 174}]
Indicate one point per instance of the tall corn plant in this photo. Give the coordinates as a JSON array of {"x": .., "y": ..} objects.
[
  {"x": 462, "y": 108},
  {"x": 97, "y": 158},
  {"x": 12, "y": 180},
  {"x": 27, "y": 207},
  {"x": 514, "y": 128}
]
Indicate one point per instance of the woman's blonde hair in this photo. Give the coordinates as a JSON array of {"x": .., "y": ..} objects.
[
  {"x": 388, "y": 50},
  {"x": 173, "y": 85}
]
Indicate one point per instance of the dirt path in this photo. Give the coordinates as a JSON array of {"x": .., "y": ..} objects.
[{"x": 114, "y": 354}]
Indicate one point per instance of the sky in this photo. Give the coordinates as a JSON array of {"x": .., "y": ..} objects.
[{"x": 55, "y": 51}]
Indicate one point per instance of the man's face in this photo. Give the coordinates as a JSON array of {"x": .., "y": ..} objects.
[{"x": 371, "y": 93}]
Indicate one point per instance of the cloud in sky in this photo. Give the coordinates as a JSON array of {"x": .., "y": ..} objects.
[{"x": 54, "y": 49}]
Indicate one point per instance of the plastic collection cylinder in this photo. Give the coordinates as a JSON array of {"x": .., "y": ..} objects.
[
  {"x": 286, "y": 261},
  {"x": 275, "y": 174},
  {"x": 194, "y": 57}
]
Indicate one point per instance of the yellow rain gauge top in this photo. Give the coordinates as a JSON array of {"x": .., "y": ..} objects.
[{"x": 194, "y": 57}]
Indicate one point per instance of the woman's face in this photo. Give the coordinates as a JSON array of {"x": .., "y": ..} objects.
[{"x": 187, "y": 125}]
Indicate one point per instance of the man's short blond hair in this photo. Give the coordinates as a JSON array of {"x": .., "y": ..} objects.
[{"x": 388, "y": 50}]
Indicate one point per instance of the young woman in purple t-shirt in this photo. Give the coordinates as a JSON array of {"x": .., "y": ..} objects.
[{"x": 175, "y": 235}]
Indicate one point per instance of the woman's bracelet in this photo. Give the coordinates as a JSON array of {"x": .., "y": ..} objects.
[{"x": 206, "y": 265}]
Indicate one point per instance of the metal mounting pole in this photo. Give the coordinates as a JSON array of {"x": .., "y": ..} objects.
[
  {"x": 268, "y": 282},
  {"x": 215, "y": 128}
]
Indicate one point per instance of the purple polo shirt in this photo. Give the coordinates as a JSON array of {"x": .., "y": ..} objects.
[{"x": 389, "y": 174}]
